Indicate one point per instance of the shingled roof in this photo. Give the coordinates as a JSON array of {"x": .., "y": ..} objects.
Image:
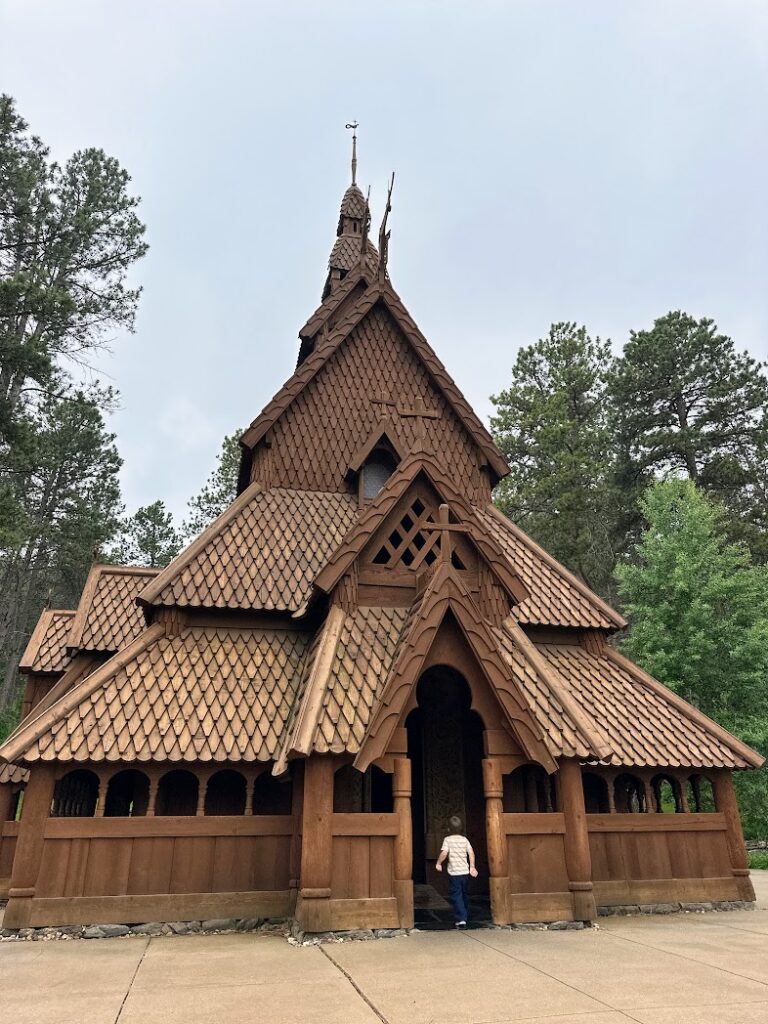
[
  {"x": 47, "y": 651},
  {"x": 107, "y": 615},
  {"x": 262, "y": 553},
  {"x": 207, "y": 695}
]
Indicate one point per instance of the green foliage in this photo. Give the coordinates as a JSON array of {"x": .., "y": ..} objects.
[
  {"x": 683, "y": 400},
  {"x": 9, "y": 719},
  {"x": 69, "y": 236},
  {"x": 699, "y": 608},
  {"x": 551, "y": 425},
  {"x": 148, "y": 538},
  {"x": 219, "y": 491},
  {"x": 758, "y": 860}
]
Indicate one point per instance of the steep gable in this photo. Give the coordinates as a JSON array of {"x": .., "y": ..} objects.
[{"x": 374, "y": 364}]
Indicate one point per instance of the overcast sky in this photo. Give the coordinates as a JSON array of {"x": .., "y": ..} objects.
[{"x": 602, "y": 162}]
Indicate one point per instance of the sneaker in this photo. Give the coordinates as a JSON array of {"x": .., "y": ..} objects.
[{"x": 461, "y": 924}]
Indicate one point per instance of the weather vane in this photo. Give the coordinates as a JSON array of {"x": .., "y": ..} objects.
[{"x": 354, "y": 126}]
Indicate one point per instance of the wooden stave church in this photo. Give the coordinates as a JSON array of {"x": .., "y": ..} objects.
[{"x": 280, "y": 722}]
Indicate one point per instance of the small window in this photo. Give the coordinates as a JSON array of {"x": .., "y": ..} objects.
[
  {"x": 595, "y": 793},
  {"x": 177, "y": 794},
  {"x": 362, "y": 792},
  {"x": 272, "y": 795},
  {"x": 701, "y": 799},
  {"x": 667, "y": 794},
  {"x": 376, "y": 471},
  {"x": 529, "y": 790},
  {"x": 225, "y": 793}
]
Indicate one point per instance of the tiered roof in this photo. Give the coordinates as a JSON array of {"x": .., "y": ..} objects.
[{"x": 266, "y": 640}]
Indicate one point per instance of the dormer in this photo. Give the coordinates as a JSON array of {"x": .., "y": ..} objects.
[{"x": 375, "y": 462}]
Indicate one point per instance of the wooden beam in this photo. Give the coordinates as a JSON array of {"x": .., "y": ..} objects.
[
  {"x": 578, "y": 860},
  {"x": 496, "y": 840},
  {"x": 29, "y": 846},
  {"x": 403, "y": 853},
  {"x": 725, "y": 801}
]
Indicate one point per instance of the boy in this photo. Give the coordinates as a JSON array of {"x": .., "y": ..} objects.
[{"x": 457, "y": 849}]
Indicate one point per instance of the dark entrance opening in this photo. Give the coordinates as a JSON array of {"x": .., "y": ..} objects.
[{"x": 445, "y": 745}]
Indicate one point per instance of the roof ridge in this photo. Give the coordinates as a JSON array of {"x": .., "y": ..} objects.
[
  {"x": 553, "y": 563},
  {"x": 14, "y": 747},
  {"x": 161, "y": 581}
]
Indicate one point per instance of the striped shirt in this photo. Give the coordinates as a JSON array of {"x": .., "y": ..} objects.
[{"x": 457, "y": 848}]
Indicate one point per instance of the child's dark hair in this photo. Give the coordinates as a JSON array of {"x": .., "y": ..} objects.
[{"x": 455, "y": 825}]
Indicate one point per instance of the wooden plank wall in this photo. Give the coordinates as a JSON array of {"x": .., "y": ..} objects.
[
  {"x": 9, "y": 831},
  {"x": 363, "y": 856},
  {"x": 85, "y": 857}
]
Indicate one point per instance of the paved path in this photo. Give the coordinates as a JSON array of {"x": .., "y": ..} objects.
[{"x": 682, "y": 969}]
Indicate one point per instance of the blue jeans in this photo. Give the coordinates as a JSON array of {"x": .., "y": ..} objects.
[{"x": 457, "y": 894}]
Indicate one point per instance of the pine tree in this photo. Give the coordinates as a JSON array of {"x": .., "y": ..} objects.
[
  {"x": 149, "y": 538},
  {"x": 551, "y": 426},
  {"x": 683, "y": 400},
  {"x": 219, "y": 491}
]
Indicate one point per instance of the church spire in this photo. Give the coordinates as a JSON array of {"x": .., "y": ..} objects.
[{"x": 352, "y": 245}]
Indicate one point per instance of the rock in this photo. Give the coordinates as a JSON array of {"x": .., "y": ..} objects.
[
  {"x": 531, "y": 926},
  {"x": 179, "y": 927},
  {"x": 71, "y": 931},
  {"x": 219, "y": 924},
  {"x": 151, "y": 928},
  {"x": 558, "y": 926},
  {"x": 388, "y": 933},
  {"x": 111, "y": 931},
  {"x": 664, "y": 908},
  {"x": 695, "y": 908},
  {"x": 249, "y": 924},
  {"x": 93, "y": 931},
  {"x": 358, "y": 933}
]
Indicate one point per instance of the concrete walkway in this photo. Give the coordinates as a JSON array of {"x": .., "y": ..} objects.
[{"x": 682, "y": 969}]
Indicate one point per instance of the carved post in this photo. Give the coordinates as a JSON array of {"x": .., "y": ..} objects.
[
  {"x": 578, "y": 860},
  {"x": 202, "y": 787},
  {"x": 249, "y": 787},
  {"x": 313, "y": 910},
  {"x": 403, "y": 860},
  {"x": 725, "y": 801},
  {"x": 497, "y": 840},
  {"x": 154, "y": 779},
  {"x": 29, "y": 846},
  {"x": 297, "y": 803}
]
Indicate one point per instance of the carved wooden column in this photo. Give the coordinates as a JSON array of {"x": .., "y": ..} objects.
[
  {"x": 250, "y": 783},
  {"x": 403, "y": 860},
  {"x": 154, "y": 779},
  {"x": 497, "y": 840},
  {"x": 725, "y": 802},
  {"x": 29, "y": 847},
  {"x": 313, "y": 911},
  {"x": 578, "y": 859}
]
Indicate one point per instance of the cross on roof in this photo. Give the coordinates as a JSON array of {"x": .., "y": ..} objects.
[{"x": 445, "y": 528}]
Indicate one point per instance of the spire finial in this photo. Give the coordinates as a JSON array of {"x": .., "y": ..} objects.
[
  {"x": 383, "y": 233},
  {"x": 354, "y": 126}
]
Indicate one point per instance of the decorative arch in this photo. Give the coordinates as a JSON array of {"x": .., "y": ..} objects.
[
  {"x": 629, "y": 794},
  {"x": 127, "y": 795},
  {"x": 225, "y": 793},
  {"x": 529, "y": 790},
  {"x": 272, "y": 795},
  {"x": 76, "y": 795},
  {"x": 666, "y": 790},
  {"x": 596, "y": 799},
  {"x": 177, "y": 794},
  {"x": 701, "y": 795},
  {"x": 356, "y": 792}
]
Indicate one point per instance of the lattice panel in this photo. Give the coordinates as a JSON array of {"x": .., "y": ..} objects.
[{"x": 410, "y": 545}]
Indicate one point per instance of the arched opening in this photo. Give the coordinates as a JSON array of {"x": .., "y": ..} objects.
[
  {"x": 17, "y": 804},
  {"x": 272, "y": 795},
  {"x": 75, "y": 795},
  {"x": 667, "y": 794},
  {"x": 225, "y": 793},
  {"x": 377, "y": 469},
  {"x": 629, "y": 795},
  {"x": 445, "y": 745},
  {"x": 357, "y": 792},
  {"x": 127, "y": 795},
  {"x": 595, "y": 793},
  {"x": 177, "y": 794},
  {"x": 529, "y": 790},
  {"x": 701, "y": 797}
]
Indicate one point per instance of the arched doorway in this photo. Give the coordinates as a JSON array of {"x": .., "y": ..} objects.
[{"x": 445, "y": 745}]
